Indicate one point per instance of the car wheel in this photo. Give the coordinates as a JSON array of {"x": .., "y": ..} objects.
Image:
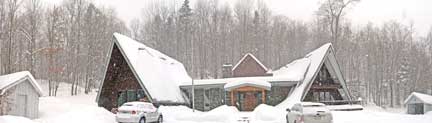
[
  {"x": 142, "y": 120},
  {"x": 160, "y": 119}
]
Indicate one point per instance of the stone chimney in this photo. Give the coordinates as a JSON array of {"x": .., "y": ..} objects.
[{"x": 227, "y": 70}]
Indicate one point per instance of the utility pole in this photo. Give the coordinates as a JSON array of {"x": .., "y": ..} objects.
[{"x": 193, "y": 95}]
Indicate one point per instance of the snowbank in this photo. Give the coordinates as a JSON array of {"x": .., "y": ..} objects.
[
  {"x": 72, "y": 109},
  {"x": 221, "y": 114},
  {"x": 266, "y": 113},
  {"x": 14, "y": 119},
  {"x": 367, "y": 116},
  {"x": 81, "y": 115}
]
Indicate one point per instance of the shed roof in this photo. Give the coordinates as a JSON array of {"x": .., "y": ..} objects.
[
  {"x": 422, "y": 97},
  {"x": 10, "y": 80}
]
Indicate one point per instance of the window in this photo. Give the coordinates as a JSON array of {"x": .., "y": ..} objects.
[
  {"x": 131, "y": 95},
  {"x": 140, "y": 94},
  {"x": 121, "y": 98}
]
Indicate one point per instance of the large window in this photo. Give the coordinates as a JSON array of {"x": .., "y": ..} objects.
[{"x": 129, "y": 96}]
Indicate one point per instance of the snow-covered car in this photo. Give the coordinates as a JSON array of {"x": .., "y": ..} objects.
[
  {"x": 309, "y": 112},
  {"x": 138, "y": 112}
]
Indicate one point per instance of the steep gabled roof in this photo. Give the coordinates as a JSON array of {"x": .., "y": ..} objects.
[
  {"x": 10, "y": 80},
  {"x": 324, "y": 54},
  {"x": 295, "y": 70},
  {"x": 158, "y": 74},
  {"x": 422, "y": 97},
  {"x": 253, "y": 57}
]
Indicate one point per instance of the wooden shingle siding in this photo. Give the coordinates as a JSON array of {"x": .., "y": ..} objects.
[
  {"x": 119, "y": 77},
  {"x": 249, "y": 67},
  {"x": 25, "y": 93}
]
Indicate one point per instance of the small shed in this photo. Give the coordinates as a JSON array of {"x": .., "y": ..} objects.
[
  {"x": 418, "y": 103},
  {"x": 19, "y": 95}
]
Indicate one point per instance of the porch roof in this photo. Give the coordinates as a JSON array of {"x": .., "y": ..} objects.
[{"x": 242, "y": 83}]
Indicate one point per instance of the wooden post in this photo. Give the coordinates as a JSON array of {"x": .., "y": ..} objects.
[
  {"x": 232, "y": 98},
  {"x": 263, "y": 96}
]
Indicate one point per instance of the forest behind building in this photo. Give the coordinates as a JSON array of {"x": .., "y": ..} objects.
[{"x": 69, "y": 42}]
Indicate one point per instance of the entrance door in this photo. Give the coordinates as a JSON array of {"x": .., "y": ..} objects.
[
  {"x": 248, "y": 100},
  {"x": 419, "y": 108},
  {"x": 21, "y": 106}
]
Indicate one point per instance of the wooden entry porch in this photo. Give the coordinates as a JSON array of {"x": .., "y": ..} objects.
[{"x": 247, "y": 98}]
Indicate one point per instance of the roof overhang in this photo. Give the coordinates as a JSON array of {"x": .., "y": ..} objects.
[{"x": 244, "y": 83}]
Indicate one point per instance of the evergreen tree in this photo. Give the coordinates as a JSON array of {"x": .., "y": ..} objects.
[{"x": 184, "y": 41}]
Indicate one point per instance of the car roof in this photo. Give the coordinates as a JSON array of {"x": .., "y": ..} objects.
[
  {"x": 137, "y": 102},
  {"x": 311, "y": 103}
]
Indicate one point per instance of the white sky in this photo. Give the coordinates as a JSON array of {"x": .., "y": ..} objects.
[{"x": 376, "y": 11}]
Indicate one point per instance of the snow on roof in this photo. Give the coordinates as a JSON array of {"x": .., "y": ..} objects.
[
  {"x": 423, "y": 97},
  {"x": 253, "y": 57},
  {"x": 295, "y": 70},
  {"x": 254, "y": 83},
  {"x": 10, "y": 80},
  {"x": 292, "y": 72},
  {"x": 158, "y": 73},
  {"x": 316, "y": 58},
  {"x": 229, "y": 80}
]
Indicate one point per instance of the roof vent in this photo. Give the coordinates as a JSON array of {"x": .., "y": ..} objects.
[{"x": 145, "y": 49}]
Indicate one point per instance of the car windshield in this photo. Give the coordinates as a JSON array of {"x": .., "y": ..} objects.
[{"x": 313, "y": 106}]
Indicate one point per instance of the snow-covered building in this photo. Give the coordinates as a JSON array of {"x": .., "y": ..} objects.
[
  {"x": 19, "y": 95},
  {"x": 137, "y": 72},
  {"x": 315, "y": 78},
  {"x": 418, "y": 103}
]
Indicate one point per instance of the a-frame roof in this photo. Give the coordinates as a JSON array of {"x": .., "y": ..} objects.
[
  {"x": 158, "y": 74},
  {"x": 324, "y": 54},
  {"x": 10, "y": 80},
  {"x": 254, "y": 58}
]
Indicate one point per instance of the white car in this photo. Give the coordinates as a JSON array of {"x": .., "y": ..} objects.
[
  {"x": 138, "y": 112},
  {"x": 309, "y": 112}
]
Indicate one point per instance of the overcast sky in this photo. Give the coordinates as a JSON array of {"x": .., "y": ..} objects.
[{"x": 418, "y": 12}]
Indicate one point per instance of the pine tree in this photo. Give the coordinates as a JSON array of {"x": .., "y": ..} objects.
[
  {"x": 184, "y": 43},
  {"x": 185, "y": 10}
]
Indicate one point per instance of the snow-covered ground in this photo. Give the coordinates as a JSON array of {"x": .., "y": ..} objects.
[
  {"x": 67, "y": 109},
  {"x": 83, "y": 109}
]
